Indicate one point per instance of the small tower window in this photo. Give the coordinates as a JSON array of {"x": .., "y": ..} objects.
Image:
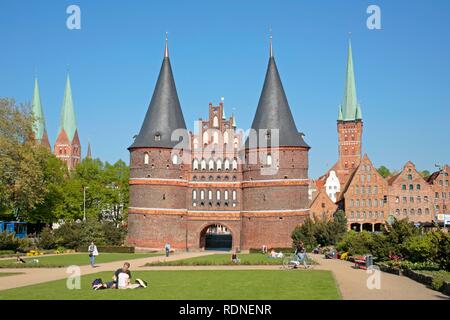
[
  {"x": 195, "y": 164},
  {"x": 203, "y": 164},
  {"x": 219, "y": 164},
  {"x": 227, "y": 164},
  {"x": 175, "y": 159},
  {"x": 225, "y": 137},
  {"x": 235, "y": 164},
  {"x": 234, "y": 195},
  {"x": 194, "y": 194},
  {"x": 146, "y": 158},
  {"x": 157, "y": 137},
  {"x": 225, "y": 194},
  {"x": 218, "y": 195},
  {"x": 211, "y": 165},
  {"x": 215, "y": 122},
  {"x": 269, "y": 159}
]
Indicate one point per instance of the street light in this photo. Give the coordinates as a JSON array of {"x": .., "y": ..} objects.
[{"x": 84, "y": 203}]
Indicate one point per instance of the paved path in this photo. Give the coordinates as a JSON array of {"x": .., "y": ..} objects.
[
  {"x": 31, "y": 276},
  {"x": 353, "y": 283}
]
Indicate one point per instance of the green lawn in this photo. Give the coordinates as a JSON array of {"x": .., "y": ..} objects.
[
  {"x": 195, "y": 285},
  {"x": 65, "y": 260},
  {"x": 5, "y": 274},
  {"x": 222, "y": 259}
]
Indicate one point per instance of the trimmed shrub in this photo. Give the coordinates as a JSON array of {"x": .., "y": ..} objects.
[
  {"x": 46, "y": 239},
  {"x": 108, "y": 249},
  {"x": 68, "y": 235},
  {"x": 114, "y": 234}
]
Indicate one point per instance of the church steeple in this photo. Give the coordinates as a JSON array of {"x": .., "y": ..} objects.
[
  {"x": 350, "y": 109},
  {"x": 67, "y": 120},
  {"x": 67, "y": 145},
  {"x": 89, "y": 153},
  {"x": 164, "y": 114},
  {"x": 273, "y": 110},
  {"x": 39, "y": 128}
]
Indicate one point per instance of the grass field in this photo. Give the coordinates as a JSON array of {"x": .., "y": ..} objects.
[
  {"x": 221, "y": 259},
  {"x": 195, "y": 285},
  {"x": 65, "y": 260}
]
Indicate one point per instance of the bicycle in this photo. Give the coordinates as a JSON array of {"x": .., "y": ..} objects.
[{"x": 292, "y": 261}]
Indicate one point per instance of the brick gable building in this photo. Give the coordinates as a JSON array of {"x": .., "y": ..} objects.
[
  {"x": 439, "y": 182},
  {"x": 410, "y": 196},
  {"x": 364, "y": 198},
  {"x": 257, "y": 190}
]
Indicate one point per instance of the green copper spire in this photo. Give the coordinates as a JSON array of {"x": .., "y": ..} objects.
[
  {"x": 67, "y": 120},
  {"x": 340, "y": 116},
  {"x": 38, "y": 113},
  {"x": 349, "y": 107}
]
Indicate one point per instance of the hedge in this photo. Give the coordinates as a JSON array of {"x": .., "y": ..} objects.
[
  {"x": 108, "y": 249},
  {"x": 284, "y": 250}
]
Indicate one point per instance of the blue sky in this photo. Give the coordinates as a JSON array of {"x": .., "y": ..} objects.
[{"x": 220, "y": 48}]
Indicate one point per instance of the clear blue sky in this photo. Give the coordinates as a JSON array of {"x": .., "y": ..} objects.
[{"x": 220, "y": 48}]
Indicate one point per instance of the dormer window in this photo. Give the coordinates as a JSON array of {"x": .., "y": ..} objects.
[{"x": 157, "y": 136}]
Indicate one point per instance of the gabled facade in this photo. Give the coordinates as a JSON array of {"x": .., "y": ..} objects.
[
  {"x": 439, "y": 182},
  {"x": 365, "y": 198},
  {"x": 410, "y": 196},
  {"x": 322, "y": 207}
]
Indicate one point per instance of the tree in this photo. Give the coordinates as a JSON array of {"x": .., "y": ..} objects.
[
  {"x": 384, "y": 172},
  {"x": 337, "y": 227},
  {"x": 21, "y": 177},
  {"x": 425, "y": 173}
]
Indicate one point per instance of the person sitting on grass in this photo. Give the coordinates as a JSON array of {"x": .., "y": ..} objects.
[
  {"x": 234, "y": 257},
  {"x": 114, "y": 283}
]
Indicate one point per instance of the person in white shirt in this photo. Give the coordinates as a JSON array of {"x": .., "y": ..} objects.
[{"x": 93, "y": 252}]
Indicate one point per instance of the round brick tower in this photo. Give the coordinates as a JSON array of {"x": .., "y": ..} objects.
[
  {"x": 275, "y": 176},
  {"x": 158, "y": 184}
]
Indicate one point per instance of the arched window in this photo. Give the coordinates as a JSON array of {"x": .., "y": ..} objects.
[
  {"x": 219, "y": 164},
  {"x": 235, "y": 164},
  {"x": 211, "y": 165},
  {"x": 225, "y": 194},
  {"x": 215, "y": 137},
  {"x": 225, "y": 137},
  {"x": 269, "y": 159},
  {"x": 175, "y": 159},
  {"x": 419, "y": 211},
  {"x": 203, "y": 164},
  {"x": 234, "y": 195},
  {"x": 146, "y": 158},
  {"x": 218, "y": 195},
  {"x": 215, "y": 122},
  {"x": 202, "y": 194},
  {"x": 195, "y": 143},
  {"x": 195, "y": 164},
  {"x": 227, "y": 164},
  {"x": 205, "y": 137},
  {"x": 210, "y": 195},
  {"x": 236, "y": 143},
  {"x": 194, "y": 194}
]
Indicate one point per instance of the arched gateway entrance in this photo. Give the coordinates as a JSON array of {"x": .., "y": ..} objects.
[{"x": 216, "y": 237}]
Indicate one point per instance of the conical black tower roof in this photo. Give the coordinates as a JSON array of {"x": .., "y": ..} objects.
[
  {"x": 273, "y": 110},
  {"x": 164, "y": 113}
]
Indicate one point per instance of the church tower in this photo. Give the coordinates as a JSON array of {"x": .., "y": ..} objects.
[
  {"x": 275, "y": 178},
  {"x": 67, "y": 145},
  {"x": 158, "y": 183},
  {"x": 349, "y": 124},
  {"x": 39, "y": 128}
]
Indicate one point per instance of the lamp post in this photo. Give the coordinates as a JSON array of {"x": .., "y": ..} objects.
[
  {"x": 444, "y": 192},
  {"x": 84, "y": 203}
]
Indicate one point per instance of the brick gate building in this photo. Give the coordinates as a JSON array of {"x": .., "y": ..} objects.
[{"x": 256, "y": 189}]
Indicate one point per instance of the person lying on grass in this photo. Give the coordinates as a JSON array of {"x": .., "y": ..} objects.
[
  {"x": 20, "y": 260},
  {"x": 114, "y": 283}
]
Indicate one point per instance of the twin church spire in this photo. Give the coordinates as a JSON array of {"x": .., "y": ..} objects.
[{"x": 67, "y": 145}]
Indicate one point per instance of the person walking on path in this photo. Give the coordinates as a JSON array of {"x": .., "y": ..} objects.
[
  {"x": 167, "y": 247},
  {"x": 93, "y": 252}
]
